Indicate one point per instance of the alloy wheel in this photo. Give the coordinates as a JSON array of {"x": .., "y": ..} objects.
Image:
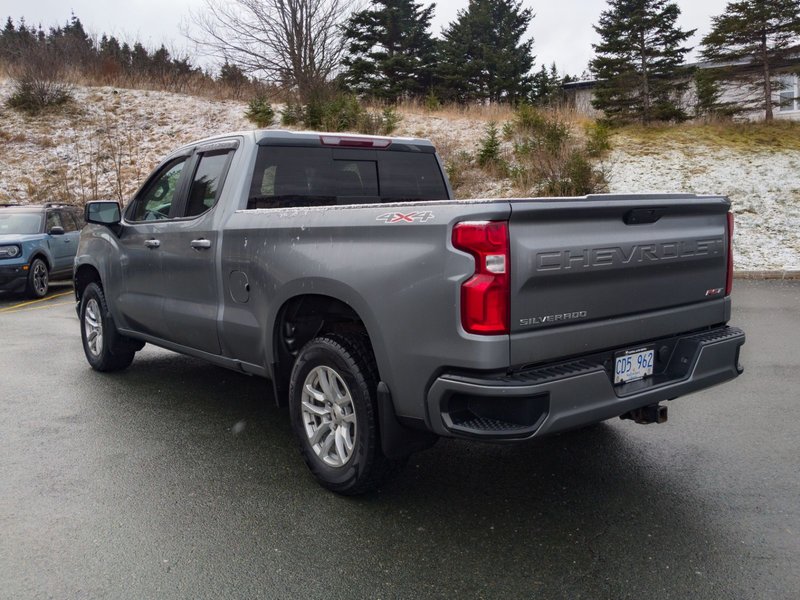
[{"x": 329, "y": 416}]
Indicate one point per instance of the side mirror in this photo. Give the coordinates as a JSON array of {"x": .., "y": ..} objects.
[
  {"x": 103, "y": 212},
  {"x": 56, "y": 230}
]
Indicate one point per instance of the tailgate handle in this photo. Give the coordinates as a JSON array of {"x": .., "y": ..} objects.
[{"x": 643, "y": 216}]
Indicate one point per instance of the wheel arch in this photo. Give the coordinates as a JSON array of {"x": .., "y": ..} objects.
[
  {"x": 303, "y": 317},
  {"x": 45, "y": 256},
  {"x": 84, "y": 275}
]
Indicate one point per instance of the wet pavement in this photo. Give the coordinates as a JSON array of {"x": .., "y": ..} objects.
[{"x": 177, "y": 479}]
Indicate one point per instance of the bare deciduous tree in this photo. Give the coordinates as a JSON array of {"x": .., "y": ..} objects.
[{"x": 295, "y": 43}]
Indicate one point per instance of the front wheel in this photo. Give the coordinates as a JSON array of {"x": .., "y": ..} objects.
[
  {"x": 38, "y": 279},
  {"x": 332, "y": 404},
  {"x": 104, "y": 347}
]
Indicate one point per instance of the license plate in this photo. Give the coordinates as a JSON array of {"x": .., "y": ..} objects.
[{"x": 632, "y": 365}]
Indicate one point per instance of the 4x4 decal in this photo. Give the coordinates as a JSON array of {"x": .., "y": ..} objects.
[{"x": 412, "y": 217}]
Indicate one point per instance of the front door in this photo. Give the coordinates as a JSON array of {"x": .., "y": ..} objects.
[{"x": 147, "y": 221}]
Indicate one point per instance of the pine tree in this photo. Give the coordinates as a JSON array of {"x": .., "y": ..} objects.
[
  {"x": 546, "y": 87},
  {"x": 760, "y": 34},
  {"x": 391, "y": 53},
  {"x": 233, "y": 78},
  {"x": 483, "y": 55},
  {"x": 638, "y": 62}
]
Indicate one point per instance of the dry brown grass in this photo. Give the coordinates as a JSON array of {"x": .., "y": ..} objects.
[
  {"x": 756, "y": 136},
  {"x": 486, "y": 113},
  {"x": 473, "y": 112}
]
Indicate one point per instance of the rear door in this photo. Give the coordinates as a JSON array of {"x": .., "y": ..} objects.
[
  {"x": 62, "y": 246},
  {"x": 586, "y": 270},
  {"x": 71, "y": 235}
]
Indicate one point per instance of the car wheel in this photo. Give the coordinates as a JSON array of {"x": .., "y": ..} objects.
[
  {"x": 332, "y": 404},
  {"x": 38, "y": 279},
  {"x": 104, "y": 347}
]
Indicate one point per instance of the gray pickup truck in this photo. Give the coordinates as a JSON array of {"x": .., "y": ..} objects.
[{"x": 388, "y": 314}]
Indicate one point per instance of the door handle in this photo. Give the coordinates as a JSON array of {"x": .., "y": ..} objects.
[
  {"x": 201, "y": 244},
  {"x": 152, "y": 243}
]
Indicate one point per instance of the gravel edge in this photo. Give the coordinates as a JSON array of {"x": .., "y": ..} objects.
[{"x": 762, "y": 275}]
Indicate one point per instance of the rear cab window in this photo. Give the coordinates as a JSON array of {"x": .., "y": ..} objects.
[{"x": 286, "y": 177}]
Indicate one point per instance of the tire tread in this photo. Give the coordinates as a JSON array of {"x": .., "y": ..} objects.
[{"x": 119, "y": 350}]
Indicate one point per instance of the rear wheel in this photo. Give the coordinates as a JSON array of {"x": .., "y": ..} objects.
[
  {"x": 332, "y": 403},
  {"x": 104, "y": 347},
  {"x": 38, "y": 279}
]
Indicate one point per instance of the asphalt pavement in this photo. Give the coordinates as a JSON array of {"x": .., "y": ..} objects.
[{"x": 177, "y": 479}]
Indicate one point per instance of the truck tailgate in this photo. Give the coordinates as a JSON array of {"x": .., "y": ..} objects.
[{"x": 602, "y": 271}]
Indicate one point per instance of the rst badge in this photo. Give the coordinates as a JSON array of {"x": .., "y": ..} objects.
[{"x": 412, "y": 217}]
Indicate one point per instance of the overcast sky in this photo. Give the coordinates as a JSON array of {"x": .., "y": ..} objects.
[{"x": 562, "y": 29}]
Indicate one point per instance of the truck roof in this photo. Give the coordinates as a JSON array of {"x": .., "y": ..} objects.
[{"x": 312, "y": 138}]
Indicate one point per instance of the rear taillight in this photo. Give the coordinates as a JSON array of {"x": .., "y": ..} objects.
[
  {"x": 729, "y": 280},
  {"x": 485, "y": 296}
]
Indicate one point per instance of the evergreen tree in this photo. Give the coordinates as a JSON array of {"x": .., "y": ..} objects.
[
  {"x": 73, "y": 43},
  {"x": 390, "y": 52},
  {"x": 546, "y": 87},
  {"x": 233, "y": 77},
  {"x": 760, "y": 34},
  {"x": 638, "y": 62},
  {"x": 483, "y": 54}
]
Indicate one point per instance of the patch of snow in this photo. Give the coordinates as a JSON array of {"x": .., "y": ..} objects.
[{"x": 763, "y": 186}]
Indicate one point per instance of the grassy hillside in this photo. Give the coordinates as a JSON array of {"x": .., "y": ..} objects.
[{"x": 109, "y": 139}]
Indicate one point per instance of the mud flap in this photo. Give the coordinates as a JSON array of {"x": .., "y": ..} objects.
[{"x": 398, "y": 441}]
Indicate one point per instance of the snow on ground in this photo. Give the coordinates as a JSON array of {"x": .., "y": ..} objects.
[
  {"x": 764, "y": 187},
  {"x": 110, "y": 135},
  {"x": 119, "y": 135}
]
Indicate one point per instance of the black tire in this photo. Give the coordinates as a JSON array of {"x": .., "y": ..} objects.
[
  {"x": 107, "y": 350},
  {"x": 350, "y": 358},
  {"x": 38, "y": 279}
]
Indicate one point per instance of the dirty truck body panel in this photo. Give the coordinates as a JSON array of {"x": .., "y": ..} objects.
[{"x": 588, "y": 279}]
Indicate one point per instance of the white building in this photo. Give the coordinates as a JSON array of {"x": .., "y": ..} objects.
[{"x": 786, "y": 98}]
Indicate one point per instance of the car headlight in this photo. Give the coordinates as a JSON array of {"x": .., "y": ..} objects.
[{"x": 9, "y": 251}]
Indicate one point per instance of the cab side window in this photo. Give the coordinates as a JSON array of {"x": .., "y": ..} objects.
[
  {"x": 78, "y": 217},
  {"x": 207, "y": 182},
  {"x": 68, "y": 221},
  {"x": 53, "y": 220},
  {"x": 156, "y": 201}
]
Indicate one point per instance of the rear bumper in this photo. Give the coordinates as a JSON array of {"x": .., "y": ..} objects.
[
  {"x": 538, "y": 401},
  {"x": 13, "y": 278}
]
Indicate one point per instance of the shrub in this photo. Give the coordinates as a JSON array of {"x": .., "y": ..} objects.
[
  {"x": 550, "y": 159},
  {"x": 391, "y": 119},
  {"x": 489, "y": 151},
  {"x": 458, "y": 166},
  {"x": 432, "y": 102},
  {"x": 33, "y": 95},
  {"x": 342, "y": 113},
  {"x": 335, "y": 111},
  {"x": 598, "y": 139},
  {"x": 39, "y": 81},
  {"x": 260, "y": 112},
  {"x": 293, "y": 114}
]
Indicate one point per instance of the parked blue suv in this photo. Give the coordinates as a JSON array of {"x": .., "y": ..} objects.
[{"x": 37, "y": 244}]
